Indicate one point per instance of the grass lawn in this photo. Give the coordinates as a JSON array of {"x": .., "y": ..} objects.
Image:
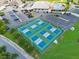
[
  {"x": 21, "y": 41},
  {"x": 68, "y": 47},
  {"x": 13, "y": 36}
]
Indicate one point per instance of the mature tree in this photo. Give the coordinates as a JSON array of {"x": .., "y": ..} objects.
[
  {"x": 1, "y": 13},
  {"x": 78, "y": 1},
  {"x": 2, "y": 27},
  {"x": 7, "y": 55},
  {"x": 12, "y": 30},
  {"x": 23, "y": 1},
  {"x": 6, "y": 20}
]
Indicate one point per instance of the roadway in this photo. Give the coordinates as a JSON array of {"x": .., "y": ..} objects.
[{"x": 14, "y": 48}]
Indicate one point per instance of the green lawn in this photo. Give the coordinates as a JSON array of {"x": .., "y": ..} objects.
[
  {"x": 68, "y": 47},
  {"x": 16, "y": 37}
]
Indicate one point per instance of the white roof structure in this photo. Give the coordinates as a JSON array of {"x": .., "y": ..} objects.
[
  {"x": 58, "y": 6},
  {"x": 2, "y": 7},
  {"x": 2, "y": 2},
  {"x": 41, "y": 5},
  {"x": 46, "y": 5}
]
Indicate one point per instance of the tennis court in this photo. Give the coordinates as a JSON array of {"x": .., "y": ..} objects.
[{"x": 40, "y": 33}]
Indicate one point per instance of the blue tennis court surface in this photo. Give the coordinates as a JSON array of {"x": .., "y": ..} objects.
[{"x": 40, "y": 33}]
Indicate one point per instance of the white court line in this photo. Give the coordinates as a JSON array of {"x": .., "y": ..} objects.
[
  {"x": 17, "y": 17},
  {"x": 75, "y": 14}
]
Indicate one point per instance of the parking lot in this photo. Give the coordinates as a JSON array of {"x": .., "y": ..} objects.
[
  {"x": 76, "y": 10},
  {"x": 62, "y": 20},
  {"x": 69, "y": 17},
  {"x": 16, "y": 18}
]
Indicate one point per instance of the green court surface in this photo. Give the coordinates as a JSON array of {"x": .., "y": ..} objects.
[{"x": 40, "y": 34}]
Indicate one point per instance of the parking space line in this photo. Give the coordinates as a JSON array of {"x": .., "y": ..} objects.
[
  {"x": 17, "y": 17},
  {"x": 75, "y": 14},
  {"x": 63, "y": 19}
]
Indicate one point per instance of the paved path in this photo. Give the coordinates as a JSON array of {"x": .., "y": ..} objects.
[{"x": 15, "y": 48}]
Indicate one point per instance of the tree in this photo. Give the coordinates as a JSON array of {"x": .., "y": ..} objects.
[
  {"x": 2, "y": 27},
  {"x": 1, "y": 13},
  {"x": 2, "y": 48},
  {"x": 7, "y": 55},
  {"x": 67, "y": 5},
  {"x": 78, "y": 1},
  {"x": 72, "y": 1},
  {"x": 6, "y": 21},
  {"x": 12, "y": 30},
  {"x": 23, "y": 1}
]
